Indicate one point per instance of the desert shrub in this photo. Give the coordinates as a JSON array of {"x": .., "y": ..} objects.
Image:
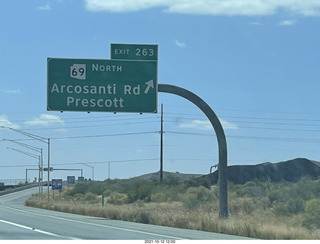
[
  {"x": 292, "y": 206},
  {"x": 172, "y": 192},
  {"x": 107, "y": 193},
  {"x": 274, "y": 196},
  {"x": 243, "y": 205},
  {"x": 144, "y": 217},
  {"x": 91, "y": 197},
  {"x": 158, "y": 197},
  {"x": 140, "y": 190},
  {"x": 95, "y": 187},
  {"x": 170, "y": 180},
  {"x": 251, "y": 189},
  {"x": 305, "y": 189},
  {"x": 117, "y": 198},
  {"x": 78, "y": 197},
  {"x": 200, "y": 192},
  {"x": 195, "y": 196},
  {"x": 78, "y": 188},
  {"x": 312, "y": 214},
  {"x": 191, "y": 201},
  {"x": 308, "y": 188}
]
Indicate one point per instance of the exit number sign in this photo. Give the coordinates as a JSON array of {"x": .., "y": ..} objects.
[{"x": 134, "y": 51}]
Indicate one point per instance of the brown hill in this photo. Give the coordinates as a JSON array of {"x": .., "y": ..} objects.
[
  {"x": 170, "y": 175},
  {"x": 291, "y": 170}
]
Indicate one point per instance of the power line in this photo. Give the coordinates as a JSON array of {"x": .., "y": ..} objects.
[
  {"x": 110, "y": 161},
  {"x": 104, "y": 135},
  {"x": 91, "y": 126},
  {"x": 286, "y": 139},
  {"x": 89, "y": 162}
]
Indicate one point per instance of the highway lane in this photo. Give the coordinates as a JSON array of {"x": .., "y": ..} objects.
[{"x": 18, "y": 222}]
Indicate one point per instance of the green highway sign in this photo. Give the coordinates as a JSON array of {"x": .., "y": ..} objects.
[
  {"x": 134, "y": 51},
  {"x": 102, "y": 85}
]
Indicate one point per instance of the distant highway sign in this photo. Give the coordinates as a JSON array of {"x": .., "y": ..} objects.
[
  {"x": 71, "y": 180},
  {"x": 56, "y": 184}
]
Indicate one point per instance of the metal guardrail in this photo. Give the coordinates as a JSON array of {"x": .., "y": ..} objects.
[
  {"x": 13, "y": 182},
  {"x": 18, "y": 188}
]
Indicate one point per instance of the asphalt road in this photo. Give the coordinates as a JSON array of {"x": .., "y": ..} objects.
[{"x": 18, "y": 222}]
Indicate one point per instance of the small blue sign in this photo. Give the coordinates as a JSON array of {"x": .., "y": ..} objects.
[
  {"x": 56, "y": 184},
  {"x": 71, "y": 180}
]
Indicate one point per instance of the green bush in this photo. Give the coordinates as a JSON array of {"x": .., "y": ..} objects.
[
  {"x": 144, "y": 217},
  {"x": 289, "y": 207},
  {"x": 173, "y": 192},
  {"x": 78, "y": 188},
  {"x": 243, "y": 205},
  {"x": 170, "y": 180},
  {"x": 251, "y": 189},
  {"x": 312, "y": 214},
  {"x": 140, "y": 190},
  {"x": 195, "y": 196},
  {"x": 158, "y": 197},
  {"x": 90, "y": 197},
  {"x": 95, "y": 187},
  {"x": 191, "y": 201},
  {"x": 107, "y": 193}
]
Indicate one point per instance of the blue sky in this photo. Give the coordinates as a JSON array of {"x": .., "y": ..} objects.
[{"x": 255, "y": 63}]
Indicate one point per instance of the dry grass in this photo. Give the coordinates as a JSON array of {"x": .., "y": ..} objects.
[{"x": 256, "y": 225}]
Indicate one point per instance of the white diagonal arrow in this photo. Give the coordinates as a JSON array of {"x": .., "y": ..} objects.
[{"x": 149, "y": 85}]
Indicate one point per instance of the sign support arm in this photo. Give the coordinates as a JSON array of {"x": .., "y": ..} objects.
[{"x": 222, "y": 144}]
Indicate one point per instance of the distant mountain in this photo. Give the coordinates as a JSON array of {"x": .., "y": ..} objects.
[
  {"x": 291, "y": 170},
  {"x": 166, "y": 175}
]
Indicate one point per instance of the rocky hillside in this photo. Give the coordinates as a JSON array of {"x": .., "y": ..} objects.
[
  {"x": 179, "y": 176},
  {"x": 291, "y": 170}
]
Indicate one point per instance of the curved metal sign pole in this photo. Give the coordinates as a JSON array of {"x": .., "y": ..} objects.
[{"x": 222, "y": 144}]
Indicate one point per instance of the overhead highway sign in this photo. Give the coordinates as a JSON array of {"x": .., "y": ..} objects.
[{"x": 102, "y": 85}]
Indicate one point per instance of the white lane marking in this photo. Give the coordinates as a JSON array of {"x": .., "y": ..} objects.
[
  {"x": 99, "y": 225},
  {"x": 30, "y": 228}
]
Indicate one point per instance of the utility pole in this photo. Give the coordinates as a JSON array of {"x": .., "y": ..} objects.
[
  {"x": 161, "y": 145},
  {"x": 108, "y": 170}
]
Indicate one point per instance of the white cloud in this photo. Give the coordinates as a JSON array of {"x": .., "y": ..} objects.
[
  {"x": 46, "y": 7},
  {"x": 180, "y": 44},
  {"x": 228, "y": 125},
  {"x": 206, "y": 125},
  {"x": 123, "y": 5},
  {"x": 45, "y": 120},
  {"x": 287, "y": 22},
  {"x": 10, "y": 91},
  {"x": 4, "y": 121},
  {"x": 210, "y": 7},
  {"x": 255, "y": 23}
]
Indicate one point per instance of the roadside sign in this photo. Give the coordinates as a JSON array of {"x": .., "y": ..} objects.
[
  {"x": 102, "y": 85},
  {"x": 134, "y": 51},
  {"x": 56, "y": 184},
  {"x": 71, "y": 180}
]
